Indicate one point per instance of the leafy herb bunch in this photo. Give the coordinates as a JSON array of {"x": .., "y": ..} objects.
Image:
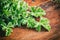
[{"x": 17, "y": 12}]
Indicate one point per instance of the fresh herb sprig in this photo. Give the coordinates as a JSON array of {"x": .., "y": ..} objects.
[{"x": 17, "y": 12}]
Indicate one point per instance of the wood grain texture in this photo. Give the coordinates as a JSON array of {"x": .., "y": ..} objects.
[{"x": 53, "y": 15}]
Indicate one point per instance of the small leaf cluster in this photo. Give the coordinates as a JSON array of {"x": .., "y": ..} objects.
[{"x": 17, "y": 12}]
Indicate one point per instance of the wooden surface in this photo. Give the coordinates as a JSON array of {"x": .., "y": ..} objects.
[
  {"x": 35, "y": 2},
  {"x": 53, "y": 15}
]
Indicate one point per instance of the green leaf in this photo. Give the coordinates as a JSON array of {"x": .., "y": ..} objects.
[
  {"x": 33, "y": 9},
  {"x": 45, "y": 23},
  {"x": 10, "y": 25},
  {"x": 47, "y": 27},
  {"x": 40, "y": 11},
  {"x": 8, "y": 31},
  {"x": 31, "y": 22},
  {"x": 3, "y": 26},
  {"x": 38, "y": 28},
  {"x": 44, "y": 20},
  {"x": 37, "y": 12},
  {"x": 24, "y": 21},
  {"x": 25, "y": 14}
]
